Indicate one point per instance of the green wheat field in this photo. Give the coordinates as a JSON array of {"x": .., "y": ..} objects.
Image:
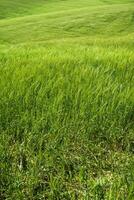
[{"x": 67, "y": 99}]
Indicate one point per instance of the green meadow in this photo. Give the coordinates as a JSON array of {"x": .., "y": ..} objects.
[{"x": 67, "y": 99}]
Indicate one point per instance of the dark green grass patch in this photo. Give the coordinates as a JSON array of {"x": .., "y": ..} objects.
[{"x": 66, "y": 122}]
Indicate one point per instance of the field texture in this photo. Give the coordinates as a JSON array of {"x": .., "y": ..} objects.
[{"x": 67, "y": 99}]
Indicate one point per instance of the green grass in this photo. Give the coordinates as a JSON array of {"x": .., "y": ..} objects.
[
  {"x": 15, "y": 8},
  {"x": 67, "y": 99}
]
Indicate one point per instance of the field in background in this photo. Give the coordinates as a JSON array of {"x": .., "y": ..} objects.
[{"x": 67, "y": 99}]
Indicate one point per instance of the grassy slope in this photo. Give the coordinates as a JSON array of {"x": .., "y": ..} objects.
[
  {"x": 108, "y": 20},
  {"x": 14, "y": 8},
  {"x": 67, "y": 99}
]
